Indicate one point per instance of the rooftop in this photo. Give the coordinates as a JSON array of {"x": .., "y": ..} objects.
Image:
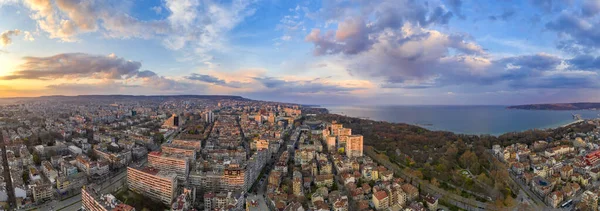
[{"x": 156, "y": 172}]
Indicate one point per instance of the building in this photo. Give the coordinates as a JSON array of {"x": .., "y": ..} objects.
[
  {"x": 178, "y": 149},
  {"x": 431, "y": 202},
  {"x": 118, "y": 159},
  {"x": 297, "y": 183},
  {"x": 566, "y": 172},
  {"x": 95, "y": 169},
  {"x": 172, "y": 122},
  {"x": 354, "y": 146},
  {"x": 209, "y": 117},
  {"x": 92, "y": 201},
  {"x": 541, "y": 186},
  {"x": 67, "y": 169},
  {"x": 184, "y": 201},
  {"x": 592, "y": 158},
  {"x": 49, "y": 171},
  {"x": 554, "y": 199},
  {"x": 233, "y": 179},
  {"x": 42, "y": 192},
  {"x": 324, "y": 180},
  {"x": 187, "y": 144},
  {"x": 330, "y": 141},
  {"x": 259, "y": 144},
  {"x": 411, "y": 191},
  {"x": 223, "y": 201},
  {"x": 153, "y": 183},
  {"x": 176, "y": 163},
  {"x": 590, "y": 199},
  {"x": 67, "y": 183},
  {"x": 380, "y": 200}
]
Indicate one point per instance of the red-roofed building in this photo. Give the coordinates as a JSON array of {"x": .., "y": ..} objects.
[
  {"x": 381, "y": 200},
  {"x": 592, "y": 158}
]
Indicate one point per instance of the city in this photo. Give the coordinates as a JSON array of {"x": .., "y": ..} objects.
[
  {"x": 191, "y": 154},
  {"x": 299, "y": 105},
  {"x": 231, "y": 153}
]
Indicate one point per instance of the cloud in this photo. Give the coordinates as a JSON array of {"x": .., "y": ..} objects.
[
  {"x": 578, "y": 32},
  {"x": 206, "y": 78},
  {"x": 156, "y": 9},
  {"x": 590, "y": 8},
  {"x": 408, "y": 53},
  {"x": 145, "y": 74},
  {"x": 65, "y": 19},
  {"x": 351, "y": 37},
  {"x": 200, "y": 27},
  {"x": 544, "y": 5},
  {"x": 167, "y": 85},
  {"x": 214, "y": 80},
  {"x": 545, "y": 71},
  {"x": 456, "y": 7},
  {"x": 507, "y": 14},
  {"x": 539, "y": 61},
  {"x": 5, "y": 37},
  {"x": 75, "y": 66},
  {"x": 28, "y": 36},
  {"x": 104, "y": 87},
  {"x": 316, "y": 85},
  {"x": 149, "y": 85},
  {"x": 203, "y": 25},
  {"x": 585, "y": 62}
]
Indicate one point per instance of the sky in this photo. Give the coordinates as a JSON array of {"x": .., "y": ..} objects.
[{"x": 364, "y": 52}]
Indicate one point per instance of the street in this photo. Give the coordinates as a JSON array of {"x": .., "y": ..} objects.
[{"x": 74, "y": 203}]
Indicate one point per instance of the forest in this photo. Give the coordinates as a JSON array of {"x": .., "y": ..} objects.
[{"x": 442, "y": 157}]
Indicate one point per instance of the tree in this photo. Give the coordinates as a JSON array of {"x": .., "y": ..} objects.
[
  {"x": 509, "y": 201},
  {"x": 25, "y": 175},
  {"x": 435, "y": 182},
  {"x": 158, "y": 138},
  {"x": 36, "y": 158},
  {"x": 483, "y": 178},
  {"x": 92, "y": 155},
  {"x": 467, "y": 159}
]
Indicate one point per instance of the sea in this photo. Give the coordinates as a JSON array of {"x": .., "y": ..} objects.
[{"x": 477, "y": 120}]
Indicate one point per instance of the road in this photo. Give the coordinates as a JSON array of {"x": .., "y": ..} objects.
[
  {"x": 74, "y": 203},
  {"x": 263, "y": 181},
  {"x": 538, "y": 201},
  {"x": 12, "y": 202},
  {"x": 451, "y": 198}
]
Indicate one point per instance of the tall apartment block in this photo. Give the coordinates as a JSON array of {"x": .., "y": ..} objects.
[
  {"x": 170, "y": 162},
  {"x": 153, "y": 183}
]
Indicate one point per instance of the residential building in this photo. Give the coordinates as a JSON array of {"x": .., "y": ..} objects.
[
  {"x": 176, "y": 163},
  {"x": 354, "y": 146},
  {"x": 590, "y": 199},
  {"x": 42, "y": 191},
  {"x": 554, "y": 199},
  {"x": 49, "y": 171},
  {"x": 151, "y": 182},
  {"x": 380, "y": 200},
  {"x": 91, "y": 200},
  {"x": 297, "y": 183}
]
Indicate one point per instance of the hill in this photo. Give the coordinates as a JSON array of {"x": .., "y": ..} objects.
[{"x": 558, "y": 106}]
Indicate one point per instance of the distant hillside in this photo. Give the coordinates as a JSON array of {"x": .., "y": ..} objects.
[{"x": 558, "y": 106}]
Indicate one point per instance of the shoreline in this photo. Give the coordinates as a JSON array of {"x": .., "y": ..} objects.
[
  {"x": 572, "y": 123},
  {"x": 432, "y": 127}
]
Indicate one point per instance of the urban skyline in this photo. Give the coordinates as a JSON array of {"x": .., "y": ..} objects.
[{"x": 310, "y": 52}]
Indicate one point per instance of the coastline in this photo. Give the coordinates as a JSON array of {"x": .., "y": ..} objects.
[
  {"x": 572, "y": 123},
  {"x": 467, "y": 120}
]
